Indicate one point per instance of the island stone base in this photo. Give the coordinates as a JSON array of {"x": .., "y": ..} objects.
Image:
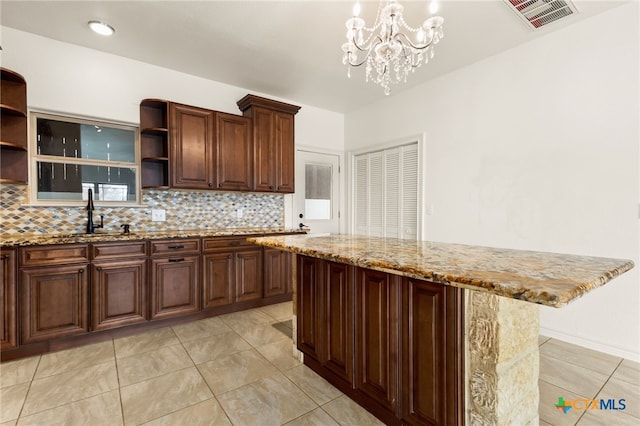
[{"x": 502, "y": 360}]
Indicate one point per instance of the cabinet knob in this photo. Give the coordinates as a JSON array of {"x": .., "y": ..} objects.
[
  {"x": 270, "y": 186},
  {"x": 5, "y": 256},
  {"x": 176, "y": 247},
  {"x": 81, "y": 271},
  {"x": 177, "y": 260},
  {"x": 99, "y": 268},
  {"x": 219, "y": 185},
  {"x": 210, "y": 185}
]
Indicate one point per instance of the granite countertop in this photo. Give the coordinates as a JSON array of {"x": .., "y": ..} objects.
[
  {"x": 21, "y": 240},
  {"x": 545, "y": 278}
]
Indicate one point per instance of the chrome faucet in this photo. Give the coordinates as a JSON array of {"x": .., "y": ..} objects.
[{"x": 90, "y": 226}]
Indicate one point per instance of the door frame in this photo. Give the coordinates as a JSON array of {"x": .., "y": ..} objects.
[{"x": 291, "y": 220}]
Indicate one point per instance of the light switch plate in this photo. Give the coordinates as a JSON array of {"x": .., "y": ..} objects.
[{"x": 158, "y": 215}]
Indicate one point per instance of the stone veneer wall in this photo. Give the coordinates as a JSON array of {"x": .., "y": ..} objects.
[
  {"x": 502, "y": 360},
  {"x": 184, "y": 210}
]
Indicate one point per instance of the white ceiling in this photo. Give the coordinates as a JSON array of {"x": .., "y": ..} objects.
[{"x": 288, "y": 49}]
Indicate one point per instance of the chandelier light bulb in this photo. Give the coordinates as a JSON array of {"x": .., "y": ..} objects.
[
  {"x": 421, "y": 36},
  {"x": 433, "y": 7},
  {"x": 356, "y": 9}
]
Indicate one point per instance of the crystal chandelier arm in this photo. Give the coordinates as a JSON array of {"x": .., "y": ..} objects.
[
  {"x": 377, "y": 41},
  {"x": 402, "y": 38}
]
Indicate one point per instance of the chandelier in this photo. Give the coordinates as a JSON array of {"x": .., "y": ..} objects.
[{"x": 389, "y": 53}]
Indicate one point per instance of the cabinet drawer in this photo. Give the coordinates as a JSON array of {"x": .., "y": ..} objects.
[
  {"x": 115, "y": 250},
  {"x": 54, "y": 255},
  {"x": 218, "y": 243},
  {"x": 178, "y": 246}
]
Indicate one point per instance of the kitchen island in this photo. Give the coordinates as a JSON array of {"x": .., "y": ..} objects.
[{"x": 431, "y": 333}]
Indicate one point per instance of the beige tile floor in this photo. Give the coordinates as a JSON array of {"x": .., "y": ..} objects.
[{"x": 238, "y": 369}]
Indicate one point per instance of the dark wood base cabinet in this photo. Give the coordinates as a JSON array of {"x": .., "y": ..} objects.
[
  {"x": 8, "y": 305},
  {"x": 118, "y": 293},
  {"x": 118, "y": 284},
  {"x": 393, "y": 344},
  {"x": 175, "y": 289},
  {"x": 54, "y": 302},
  {"x": 60, "y": 296},
  {"x": 232, "y": 272},
  {"x": 218, "y": 279},
  {"x": 277, "y": 272}
]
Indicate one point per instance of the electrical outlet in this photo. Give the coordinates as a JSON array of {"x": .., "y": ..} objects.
[
  {"x": 239, "y": 213},
  {"x": 158, "y": 215}
]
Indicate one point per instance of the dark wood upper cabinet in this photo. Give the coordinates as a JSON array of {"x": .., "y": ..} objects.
[
  {"x": 273, "y": 143},
  {"x": 233, "y": 152},
  {"x": 192, "y": 147},
  {"x": 8, "y": 308},
  {"x": 188, "y": 147},
  {"x": 285, "y": 153},
  {"x": 14, "y": 160}
]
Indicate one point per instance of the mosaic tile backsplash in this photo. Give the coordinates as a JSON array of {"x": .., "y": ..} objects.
[{"x": 184, "y": 210}]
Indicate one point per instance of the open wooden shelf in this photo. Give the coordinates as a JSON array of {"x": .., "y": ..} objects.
[
  {"x": 14, "y": 159},
  {"x": 154, "y": 143}
]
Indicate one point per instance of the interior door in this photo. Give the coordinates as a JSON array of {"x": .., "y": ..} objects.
[{"x": 317, "y": 198}]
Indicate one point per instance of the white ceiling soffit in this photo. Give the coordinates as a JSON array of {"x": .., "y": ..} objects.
[{"x": 538, "y": 13}]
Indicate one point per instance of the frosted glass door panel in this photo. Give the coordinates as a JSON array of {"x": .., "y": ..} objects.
[{"x": 318, "y": 188}]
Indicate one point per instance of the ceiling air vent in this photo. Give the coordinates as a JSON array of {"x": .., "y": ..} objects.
[{"x": 538, "y": 13}]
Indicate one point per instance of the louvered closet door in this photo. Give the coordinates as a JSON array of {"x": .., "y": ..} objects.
[
  {"x": 376, "y": 194},
  {"x": 392, "y": 207},
  {"x": 361, "y": 199},
  {"x": 386, "y": 192},
  {"x": 409, "y": 192}
]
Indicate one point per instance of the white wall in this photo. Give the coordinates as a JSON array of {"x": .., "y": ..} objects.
[
  {"x": 537, "y": 148},
  {"x": 69, "y": 79},
  {"x": 65, "y": 78}
]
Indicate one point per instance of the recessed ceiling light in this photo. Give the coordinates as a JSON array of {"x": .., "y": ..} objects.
[{"x": 101, "y": 28}]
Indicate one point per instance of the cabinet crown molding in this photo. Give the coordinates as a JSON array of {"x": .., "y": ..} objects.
[{"x": 257, "y": 101}]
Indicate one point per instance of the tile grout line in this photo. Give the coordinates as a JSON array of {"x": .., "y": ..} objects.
[
  {"x": 587, "y": 352},
  {"x": 28, "y": 390},
  {"x": 213, "y": 395},
  {"x": 65, "y": 404},
  {"x": 113, "y": 343}
]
